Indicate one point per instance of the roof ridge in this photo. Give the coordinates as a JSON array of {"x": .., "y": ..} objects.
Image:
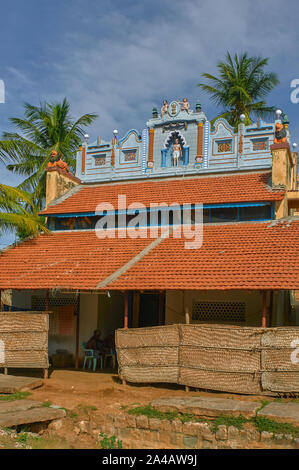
[{"x": 114, "y": 276}]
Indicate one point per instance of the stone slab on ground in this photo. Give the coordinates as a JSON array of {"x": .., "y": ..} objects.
[
  {"x": 283, "y": 412},
  {"x": 207, "y": 407},
  {"x": 18, "y": 405},
  {"x": 13, "y": 384},
  {"x": 33, "y": 415}
]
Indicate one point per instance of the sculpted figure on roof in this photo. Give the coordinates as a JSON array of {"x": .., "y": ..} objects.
[
  {"x": 57, "y": 162},
  {"x": 164, "y": 108},
  {"x": 185, "y": 105},
  {"x": 280, "y": 133},
  {"x": 177, "y": 152}
]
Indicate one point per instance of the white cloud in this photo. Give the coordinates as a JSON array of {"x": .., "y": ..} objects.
[{"x": 121, "y": 66}]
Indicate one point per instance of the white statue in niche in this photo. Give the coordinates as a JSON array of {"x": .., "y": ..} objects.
[
  {"x": 185, "y": 105},
  {"x": 164, "y": 108},
  {"x": 176, "y": 152}
]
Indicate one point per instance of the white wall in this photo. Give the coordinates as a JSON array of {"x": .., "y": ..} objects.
[{"x": 177, "y": 301}]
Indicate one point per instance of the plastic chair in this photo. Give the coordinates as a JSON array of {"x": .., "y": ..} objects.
[
  {"x": 91, "y": 357},
  {"x": 110, "y": 354}
]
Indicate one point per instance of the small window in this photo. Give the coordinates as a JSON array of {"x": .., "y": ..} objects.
[
  {"x": 100, "y": 161},
  {"x": 255, "y": 213},
  {"x": 259, "y": 144},
  {"x": 130, "y": 155},
  {"x": 218, "y": 311},
  {"x": 224, "y": 146},
  {"x": 225, "y": 214}
]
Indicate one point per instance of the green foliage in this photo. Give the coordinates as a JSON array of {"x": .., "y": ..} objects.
[
  {"x": 24, "y": 438},
  {"x": 46, "y": 404},
  {"x": 17, "y": 210},
  {"x": 240, "y": 88},
  {"x": 265, "y": 424},
  {"x": 110, "y": 442},
  {"x": 263, "y": 404},
  {"x": 260, "y": 423},
  {"x": 151, "y": 412},
  {"x": 42, "y": 129},
  {"x": 236, "y": 421},
  {"x": 15, "y": 396}
]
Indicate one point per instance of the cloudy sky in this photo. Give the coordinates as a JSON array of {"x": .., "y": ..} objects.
[{"x": 118, "y": 58}]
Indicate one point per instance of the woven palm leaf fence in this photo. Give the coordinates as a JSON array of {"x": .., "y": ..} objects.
[
  {"x": 24, "y": 336},
  {"x": 215, "y": 357}
]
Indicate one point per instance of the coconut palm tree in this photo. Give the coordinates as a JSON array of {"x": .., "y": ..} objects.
[
  {"x": 18, "y": 211},
  {"x": 240, "y": 88},
  {"x": 44, "y": 128}
]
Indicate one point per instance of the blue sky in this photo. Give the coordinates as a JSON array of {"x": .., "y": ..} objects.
[{"x": 119, "y": 58}]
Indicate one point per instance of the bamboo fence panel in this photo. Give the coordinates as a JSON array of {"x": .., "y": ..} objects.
[
  {"x": 225, "y": 358},
  {"x": 25, "y": 339}
]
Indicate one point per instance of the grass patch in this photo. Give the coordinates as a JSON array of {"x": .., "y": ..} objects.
[
  {"x": 46, "y": 404},
  {"x": 265, "y": 424},
  {"x": 110, "y": 442},
  {"x": 86, "y": 408},
  {"x": 15, "y": 396},
  {"x": 236, "y": 421},
  {"x": 151, "y": 412},
  {"x": 261, "y": 424},
  {"x": 24, "y": 438},
  {"x": 263, "y": 404}
]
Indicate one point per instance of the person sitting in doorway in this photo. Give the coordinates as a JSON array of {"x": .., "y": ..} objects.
[{"x": 96, "y": 343}]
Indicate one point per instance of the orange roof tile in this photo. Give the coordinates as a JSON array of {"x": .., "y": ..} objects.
[
  {"x": 233, "y": 256},
  {"x": 207, "y": 190},
  {"x": 71, "y": 260}
]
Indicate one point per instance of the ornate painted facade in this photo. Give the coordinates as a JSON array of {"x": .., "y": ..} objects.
[{"x": 204, "y": 148}]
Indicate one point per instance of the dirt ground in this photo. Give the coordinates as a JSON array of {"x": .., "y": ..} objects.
[
  {"x": 104, "y": 390},
  {"x": 87, "y": 396}
]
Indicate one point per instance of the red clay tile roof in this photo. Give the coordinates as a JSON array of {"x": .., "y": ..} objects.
[
  {"x": 233, "y": 256},
  {"x": 72, "y": 260},
  {"x": 207, "y": 190}
]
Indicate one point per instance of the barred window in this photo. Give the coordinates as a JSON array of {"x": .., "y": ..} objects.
[
  {"x": 259, "y": 144},
  {"x": 224, "y": 146},
  {"x": 130, "y": 155},
  {"x": 218, "y": 311},
  {"x": 100, "y": 161}
]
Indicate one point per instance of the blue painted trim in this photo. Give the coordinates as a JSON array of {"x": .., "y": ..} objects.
[
  {"x": 147, "y": 209},
  {"x": 134, "y": 131},
  {"x": 237, "y": 204}
]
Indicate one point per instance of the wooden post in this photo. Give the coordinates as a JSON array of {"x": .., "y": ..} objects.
[
  {"x": 77, "y": 334},
  {"x": 126, "y": 317},
  {"x": 161, "y": 297},
  {"x": 271, "y": 308},
  {"x": 264, "y": 309},
  {"x": 47, "y": 302},
  {"x": 126, "y": 313},
  {"x": 187, "y": 316},
  {"x": 5, "y": 371}
]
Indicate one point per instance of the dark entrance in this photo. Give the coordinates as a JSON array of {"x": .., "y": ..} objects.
[{"x": 151, "y": 309}]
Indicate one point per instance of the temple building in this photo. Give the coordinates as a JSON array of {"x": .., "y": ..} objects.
[{"x": 114, "y": 258}]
